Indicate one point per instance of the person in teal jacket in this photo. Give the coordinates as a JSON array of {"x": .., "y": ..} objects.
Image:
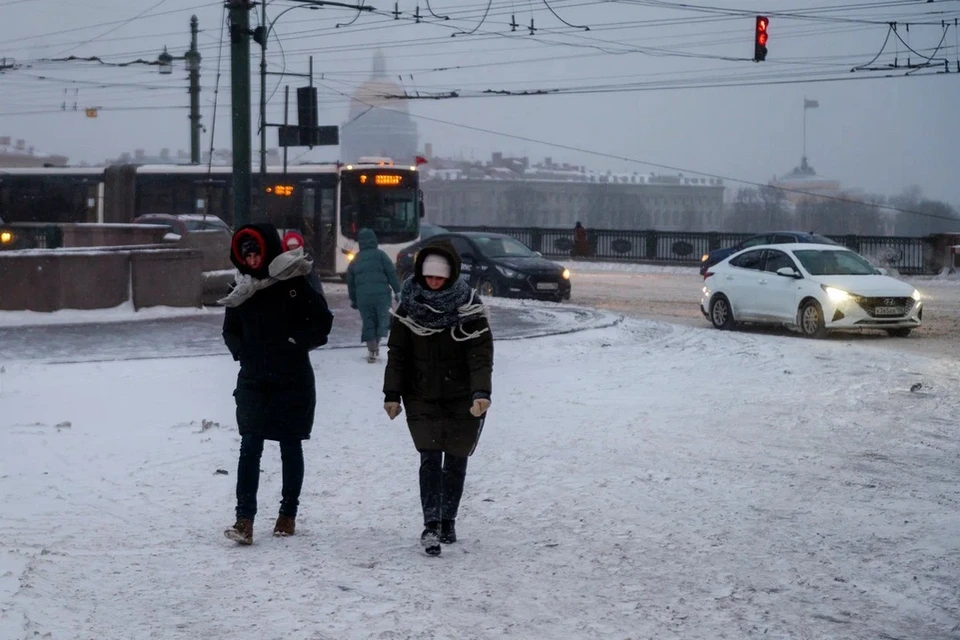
[{"x": 370, "y": 278}]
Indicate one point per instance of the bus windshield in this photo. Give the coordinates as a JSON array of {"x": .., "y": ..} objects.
[{"x": 386, "y": 205}]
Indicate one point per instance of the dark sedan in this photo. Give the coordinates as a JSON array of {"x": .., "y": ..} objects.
[
  {"x": 774, "y": 237},
  {"x": 498, "y": 265}
]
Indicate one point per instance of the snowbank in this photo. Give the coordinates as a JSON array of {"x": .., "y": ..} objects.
[{"x": 122, "y": 313}]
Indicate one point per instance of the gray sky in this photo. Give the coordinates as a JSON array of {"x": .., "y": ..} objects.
[{"x": 878, "y": 134}]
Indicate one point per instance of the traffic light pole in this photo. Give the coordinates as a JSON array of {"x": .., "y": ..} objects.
[{"x": 240, "y": 103}]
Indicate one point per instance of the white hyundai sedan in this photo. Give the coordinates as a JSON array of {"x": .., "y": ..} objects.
[{"x": 815, "y": 288}]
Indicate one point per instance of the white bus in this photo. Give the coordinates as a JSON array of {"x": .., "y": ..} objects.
[{"x": 327, "y": 203}]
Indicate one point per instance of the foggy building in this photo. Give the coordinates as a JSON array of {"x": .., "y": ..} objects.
[
  {"x": 378, "y": 126},
  {"x": 166, "y": 156},
  {"x": 803, "y": 182},
  {"x": 511, "y": 192},
  {"x": 18, "y": 154}
]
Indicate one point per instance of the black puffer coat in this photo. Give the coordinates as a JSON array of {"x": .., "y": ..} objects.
[
  {"x": 437, "y": 377},
  {"x": 271, "y": 334}
]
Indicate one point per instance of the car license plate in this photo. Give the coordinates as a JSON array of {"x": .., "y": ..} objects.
[
  {"x": 547, "y": 286},
  {"x": 888, "y": 311}
]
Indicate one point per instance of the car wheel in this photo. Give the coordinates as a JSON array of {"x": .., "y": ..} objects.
[
  {"x": 902, "y": 332},
  {"x": 487, "y": 288},
  {"x": 810, "y": 320},
  {"x": 721, "y": 315}
]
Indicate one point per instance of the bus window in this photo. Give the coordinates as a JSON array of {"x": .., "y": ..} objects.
[
  {"x": 158, "y": 194},
  {"x": 389, "y": 208},
  {"x": 46, "y": 199}
]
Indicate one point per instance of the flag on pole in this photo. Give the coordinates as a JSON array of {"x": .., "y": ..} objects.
[{"x": 810, "y": 104}]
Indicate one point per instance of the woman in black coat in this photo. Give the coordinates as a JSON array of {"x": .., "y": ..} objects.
[
  {"x": 439, "y": 365},
  {"x": 273, "y": 319}
]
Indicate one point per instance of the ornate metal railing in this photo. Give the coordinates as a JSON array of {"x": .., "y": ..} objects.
[{"x": 907, "y": 255}]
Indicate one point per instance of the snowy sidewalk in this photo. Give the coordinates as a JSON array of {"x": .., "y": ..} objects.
[
  {"x": 640, "y": 481},
  {"x": 122, "y": 334}
]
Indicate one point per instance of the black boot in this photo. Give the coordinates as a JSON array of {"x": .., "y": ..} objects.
[
  {"x": 448, "y": 531},
  {"x": 430, "y": 539}
]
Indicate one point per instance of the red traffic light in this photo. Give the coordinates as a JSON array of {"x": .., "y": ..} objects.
[{"x": 760, "y": 39}]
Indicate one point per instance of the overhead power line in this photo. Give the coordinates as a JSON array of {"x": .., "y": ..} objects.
[{"x": 657, "y": 165}]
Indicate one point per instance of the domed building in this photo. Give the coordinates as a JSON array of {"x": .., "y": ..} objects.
[{"x": 378, "y": 126}]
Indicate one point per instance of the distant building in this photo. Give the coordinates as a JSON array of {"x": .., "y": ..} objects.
[
  {"x": 803, "y": 183},
  {"x": 513, "y": 193},
  {"x": 18, "y": 154},
  {"x": 220, "y": 157},
  {"x": 378, "y": 126}
]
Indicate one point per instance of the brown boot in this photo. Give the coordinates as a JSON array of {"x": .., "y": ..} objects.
[
  {"x": 241, "y": 532},
  {"x": 285, "y": 526}
]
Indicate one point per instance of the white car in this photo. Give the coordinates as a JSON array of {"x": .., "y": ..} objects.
[{"x": 814, "y": 288}]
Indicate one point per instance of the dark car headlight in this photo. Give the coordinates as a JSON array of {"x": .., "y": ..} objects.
[{"x": 507, "y": 272}]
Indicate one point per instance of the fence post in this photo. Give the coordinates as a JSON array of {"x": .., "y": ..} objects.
[
  {"x": 651, "y": 244},
  {"x": 536, "y": 239},
  {"x": 713, "y": 241}
]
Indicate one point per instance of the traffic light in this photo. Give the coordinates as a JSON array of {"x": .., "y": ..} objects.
[{"x": 760, "y": 39}]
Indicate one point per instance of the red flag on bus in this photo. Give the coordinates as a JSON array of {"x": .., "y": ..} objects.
[{"x": 420, "y": 160}]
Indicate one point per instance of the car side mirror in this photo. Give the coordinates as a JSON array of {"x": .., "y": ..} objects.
[
  {"x": 788, "y": 272},
  {"x": 423, "y": 209}
]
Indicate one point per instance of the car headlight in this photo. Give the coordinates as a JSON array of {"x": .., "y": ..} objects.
[
  {"x": 915, "y": 295},
  {"x": 6, "y": 237},
  {"x": 704, "y": 257},
  {"x": 836, "y": 295},
  {"x": 509, "y": 273},
  {"x": 566, "y": 274},
  {"x": 349, "y": 255}
]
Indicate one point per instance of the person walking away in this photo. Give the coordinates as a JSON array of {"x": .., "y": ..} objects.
[
  {"x": 581, "y": 246},
  {"x": 293, "y": 240},
  {"x": 273, "y": 319},
  {"x": 439, "y": 366},
  {"x": 370, "y": 278}
]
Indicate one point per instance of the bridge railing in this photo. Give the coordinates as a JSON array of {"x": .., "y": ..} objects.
[{"x": 907, "y": 255}]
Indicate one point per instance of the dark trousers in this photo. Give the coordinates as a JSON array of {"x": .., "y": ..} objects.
[
  {"x": 441, "y": 485},
  {"x": 248, "y": 476}
]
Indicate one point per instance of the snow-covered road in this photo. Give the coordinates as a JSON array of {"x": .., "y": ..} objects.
[
  {"x": 645, "y": 480},
  {"x": 673, "y": 294}
]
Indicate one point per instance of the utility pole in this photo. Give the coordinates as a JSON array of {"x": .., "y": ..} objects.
[
  {"x": 240, "y": 101},
  {"x": 193, "y": 64}
]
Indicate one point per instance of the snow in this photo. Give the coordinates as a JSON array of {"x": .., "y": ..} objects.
[
  {"x": 642, "y": 480},
  {"x": 124, "y": 312}
]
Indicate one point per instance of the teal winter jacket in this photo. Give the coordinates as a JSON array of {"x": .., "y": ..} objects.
[{"x": 371, "y": 276}]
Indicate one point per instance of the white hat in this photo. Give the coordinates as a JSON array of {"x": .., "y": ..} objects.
[{"x": 436, "y": 265}]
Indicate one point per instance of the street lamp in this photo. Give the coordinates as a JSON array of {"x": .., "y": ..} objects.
[
  {"x": 261, "y": 35},
  {"x": 165, "y": 61},
  {"x": 192, "y": 60}
]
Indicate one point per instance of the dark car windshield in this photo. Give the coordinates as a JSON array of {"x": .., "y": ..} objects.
[
  {"x": 497, "y": 247},
  {"x": 205, "y": 224},
  {"x": 826, "y": 262}
]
